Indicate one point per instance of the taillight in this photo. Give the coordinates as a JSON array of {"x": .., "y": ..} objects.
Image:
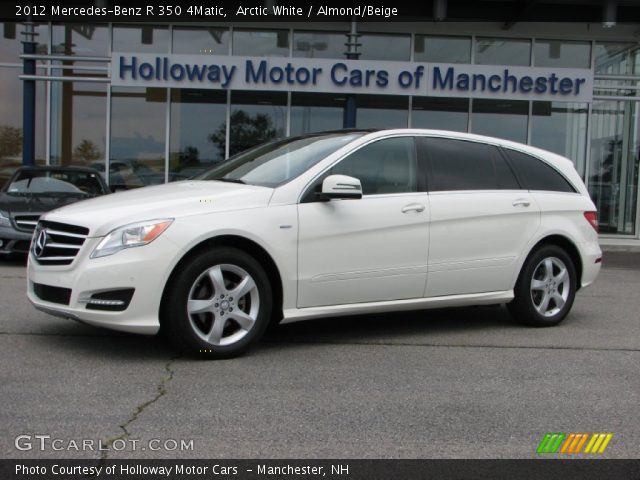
[{"x": 592, "y": 218}]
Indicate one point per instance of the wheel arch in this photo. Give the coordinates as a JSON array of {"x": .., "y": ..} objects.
[
  {"x": 567, "y": 245},
  {"x": 246, "y": 245}
]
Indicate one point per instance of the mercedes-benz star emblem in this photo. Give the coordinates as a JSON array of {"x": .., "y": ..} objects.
[{"x": 41, "y": 242}]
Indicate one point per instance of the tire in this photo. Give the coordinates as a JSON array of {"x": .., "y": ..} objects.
[
  {"x": 217, "y": 304},
  {"x": 540, "y": 299}
]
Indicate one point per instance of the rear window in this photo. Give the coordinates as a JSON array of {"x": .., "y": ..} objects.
[
  {"x": 464, "y": 165},
  {"x": 537, "y": 175}
]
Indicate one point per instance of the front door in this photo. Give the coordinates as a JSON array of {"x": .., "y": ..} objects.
[{"x": 371, "y": 249}]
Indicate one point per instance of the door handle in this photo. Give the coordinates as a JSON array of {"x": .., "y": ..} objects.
[
  {"x": 413, "y": 207},
  {"x": 521, "y": 202}
]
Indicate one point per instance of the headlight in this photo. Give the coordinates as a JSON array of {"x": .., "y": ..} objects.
[
  {"x": 4, "y": 220},
  {"x": 133, "y": 235}
]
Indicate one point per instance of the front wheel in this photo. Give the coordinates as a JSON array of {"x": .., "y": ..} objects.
[
  {"x": 545, "y": 289},
  {"x": 218, "y": 304}
]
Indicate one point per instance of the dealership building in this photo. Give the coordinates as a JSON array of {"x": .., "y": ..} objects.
[{"x": 151, "y": 103}]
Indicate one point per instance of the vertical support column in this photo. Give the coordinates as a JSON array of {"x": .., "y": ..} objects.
[
  {"x": 29, "y": 98},
  {"x": 66, "y": 105},
  {"x": 352, "y": 53}
]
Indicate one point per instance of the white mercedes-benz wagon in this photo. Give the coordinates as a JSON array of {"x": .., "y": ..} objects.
[{"x": 321, "y": 225}]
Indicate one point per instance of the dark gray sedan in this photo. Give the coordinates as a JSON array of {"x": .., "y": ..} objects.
[{"x": 32, "y": 191}]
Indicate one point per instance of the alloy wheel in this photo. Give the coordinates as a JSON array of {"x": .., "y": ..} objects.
[
  {"x": 550, "y": 286},
  {"x": 223, "y": 304}
]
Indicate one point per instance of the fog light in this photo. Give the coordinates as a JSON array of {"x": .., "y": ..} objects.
[
  {"x": 106, "y": 302},
  {"x": 111, "y": 300}
]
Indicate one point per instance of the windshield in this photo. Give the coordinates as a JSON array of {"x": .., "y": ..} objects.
[
  {"x": 275, "y": 163},
  {"x": 55, "y": 182}
]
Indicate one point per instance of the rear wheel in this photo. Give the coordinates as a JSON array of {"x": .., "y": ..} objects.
[
  {"x": 218, "y": 304},
  {"x": 545, "y": 289}
]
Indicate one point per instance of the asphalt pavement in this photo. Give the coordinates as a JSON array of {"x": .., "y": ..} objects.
[{"x": 457, "y": 383}]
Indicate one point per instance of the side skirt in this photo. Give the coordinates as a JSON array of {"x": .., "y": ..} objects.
[{"x": 489, "y": 298}]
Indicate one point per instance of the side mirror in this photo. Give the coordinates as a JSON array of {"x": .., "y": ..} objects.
[{"x": 340, "y": 186}]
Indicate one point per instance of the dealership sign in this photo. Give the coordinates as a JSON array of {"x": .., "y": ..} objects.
[{"x": 351, "y": 76}]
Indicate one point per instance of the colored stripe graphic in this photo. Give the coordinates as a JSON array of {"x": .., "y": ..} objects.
[
  {"x": 551, "y": 442},
  {"x": 572, "y": 443},
  {"x": 598, "y": 443}
]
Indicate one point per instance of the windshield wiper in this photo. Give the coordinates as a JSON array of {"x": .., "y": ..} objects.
[{"x": 231, "y": 180}]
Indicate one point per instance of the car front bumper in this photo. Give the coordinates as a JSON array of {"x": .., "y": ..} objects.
[
  {"x": 144, "y": 269},
  {"x": 13, "y": 241}
]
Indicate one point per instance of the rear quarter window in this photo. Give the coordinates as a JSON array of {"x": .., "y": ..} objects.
[{"x": 537, "y": 175}]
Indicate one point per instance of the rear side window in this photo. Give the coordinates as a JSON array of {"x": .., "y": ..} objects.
[
  {"x": 537, "y": 175},
  {"x": 463, "y": 165}
]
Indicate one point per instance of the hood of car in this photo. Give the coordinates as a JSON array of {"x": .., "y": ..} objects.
[
  {"x": 38, "y": 203},
  {"x": 172, "y": 200}
]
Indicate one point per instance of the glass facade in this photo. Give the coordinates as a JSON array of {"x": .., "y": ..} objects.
[
  {"x": 144, "y": 136},
  {"x": 315, "y": 112},
  {"x": 503, "y": 51},
  {"x": 193, "y": 143},
  {"x": 562, "y": 53},
  {"x": 440, "y": 113},
  {"x": 500, "y": 118},
  {"x": 428, "y": 48},
  {"x": 138, "y": 137},
  {"x": 561, "y": 127}
]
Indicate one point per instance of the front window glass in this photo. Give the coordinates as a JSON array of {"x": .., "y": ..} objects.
[
  {"x": 385, "y": 166},
  {"x": 278, "y": 162},
  {"x": 52, "y": 182}
]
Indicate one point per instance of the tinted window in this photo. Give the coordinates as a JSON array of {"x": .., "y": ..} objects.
[
  {"x": 385, "y": 166},
  {"x": 462, "y": 165},
  {"x": 538, "y": 175}
]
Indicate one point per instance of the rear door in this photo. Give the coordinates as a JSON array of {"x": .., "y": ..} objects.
[{"x": 481, "y": 217}]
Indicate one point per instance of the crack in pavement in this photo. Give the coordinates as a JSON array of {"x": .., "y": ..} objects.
[{"x": 161, "y": 390}]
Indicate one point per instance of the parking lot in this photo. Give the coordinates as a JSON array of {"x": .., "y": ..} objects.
[{"x": 461, "y": 383}]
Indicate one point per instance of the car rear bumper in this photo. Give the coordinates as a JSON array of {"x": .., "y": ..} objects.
[{"x": 591, "y": 262}]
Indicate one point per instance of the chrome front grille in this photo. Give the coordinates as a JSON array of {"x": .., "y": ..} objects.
[
  {"x": 26, "y": 223},
  {"x": 57, "y": 243}
]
